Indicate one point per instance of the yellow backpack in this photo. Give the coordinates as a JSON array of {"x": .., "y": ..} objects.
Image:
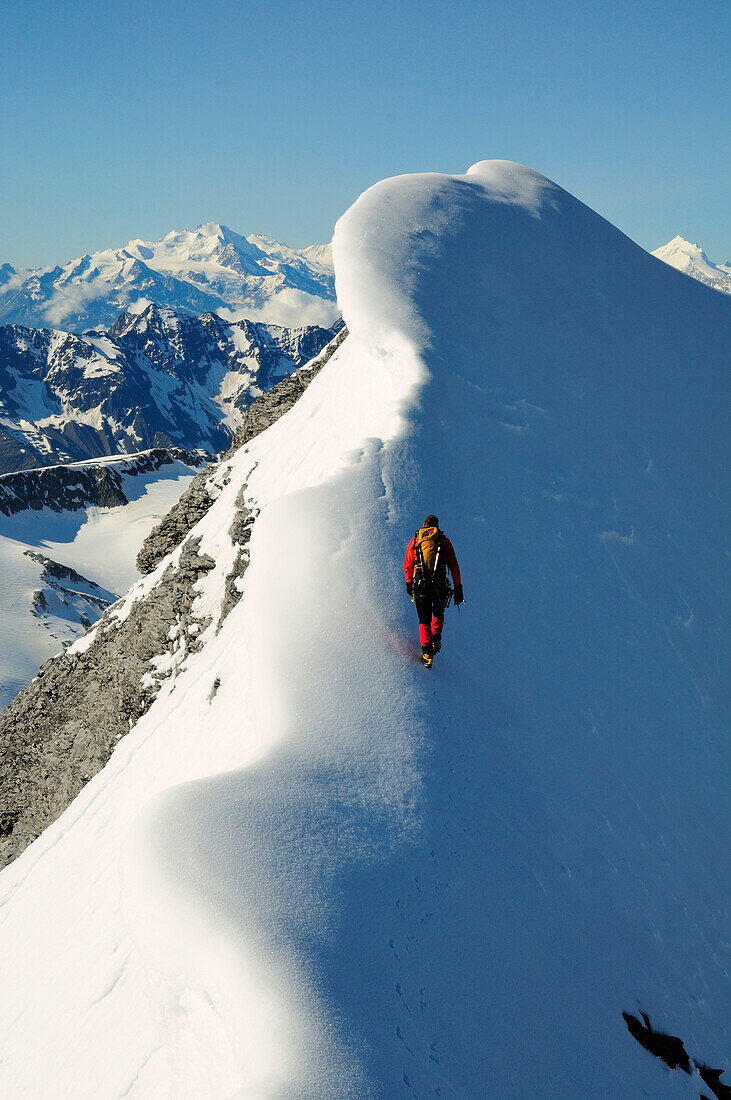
[
  {"x": 430, "y": 568},
  {"x": 428, "y": 541}
]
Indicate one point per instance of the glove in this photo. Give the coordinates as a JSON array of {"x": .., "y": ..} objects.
[
  {"x": 409, "y": 588},
  {"x": 458, "y": 595}
]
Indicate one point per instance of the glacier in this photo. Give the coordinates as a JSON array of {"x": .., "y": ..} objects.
[{"x": 313, "y": 869}]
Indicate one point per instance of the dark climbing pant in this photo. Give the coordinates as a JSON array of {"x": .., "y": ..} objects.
[{"x": 430, "y": 609}]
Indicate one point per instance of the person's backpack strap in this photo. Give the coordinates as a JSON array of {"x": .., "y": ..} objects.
[
  {"x": 444, "y": 579},
  {"x": 421, "y": 577},
  {"x": 436, "y": 556}
]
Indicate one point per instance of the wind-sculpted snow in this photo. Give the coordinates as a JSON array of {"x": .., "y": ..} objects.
[{"x": 314, "y": 869}]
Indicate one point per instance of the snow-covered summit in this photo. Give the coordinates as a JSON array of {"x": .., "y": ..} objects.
[
  {"x": 210, "y": 250},
  {"x": 692, "y": 260},
  {"x": 312, "y": 869},
  {"x": 211, "y": 268}
]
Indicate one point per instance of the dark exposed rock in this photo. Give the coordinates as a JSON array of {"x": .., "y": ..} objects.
[
  {"x": 191, "y": 506},
  {"x": 667, "y": 1047},
  {"x": 712, "y": 1078},
  {"x": 40, "y": 603},
  {"x": 61, "y": 488},
  {"x": 240, "y": 532},
  {"x": 671, "y": 1050},
  {"x": 54, "y": 570}
]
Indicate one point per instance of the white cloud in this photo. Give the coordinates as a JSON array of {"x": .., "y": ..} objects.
[{"x": 290, "y": 308}]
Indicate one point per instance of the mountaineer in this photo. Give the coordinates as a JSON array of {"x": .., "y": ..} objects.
[{"x": 428, "y": 555}]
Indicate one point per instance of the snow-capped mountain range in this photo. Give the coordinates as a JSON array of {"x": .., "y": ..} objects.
[
  {"x": 155, "y": 378},
  {"x": 692, "y": 260},
  {"x": 304, "y": 866},
  {"x": 209, "y": 269}
]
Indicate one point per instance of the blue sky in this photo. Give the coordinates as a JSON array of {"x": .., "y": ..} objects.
[{"x": 129, "y": 119}]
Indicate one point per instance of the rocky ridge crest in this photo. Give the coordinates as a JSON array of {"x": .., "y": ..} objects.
[{"x": 203, "y": 490}]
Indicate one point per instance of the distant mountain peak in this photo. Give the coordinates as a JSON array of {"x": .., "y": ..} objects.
[
  {"x": 207, "y": 269},
  {"x": 690, "y": 258}
]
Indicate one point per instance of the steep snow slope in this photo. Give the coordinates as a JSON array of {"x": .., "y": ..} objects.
[
  {"x": 211, "y": 268},
  {"x": 313, "y": 869},
  {"x": 692, "y": 260}
]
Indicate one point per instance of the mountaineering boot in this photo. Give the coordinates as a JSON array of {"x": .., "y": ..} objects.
[
  {"x": 427, "y": 659},
  {"x": 436, "y": 645}
]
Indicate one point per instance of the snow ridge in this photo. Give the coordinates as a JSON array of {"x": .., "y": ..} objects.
[{"x": 338, "y": 876}]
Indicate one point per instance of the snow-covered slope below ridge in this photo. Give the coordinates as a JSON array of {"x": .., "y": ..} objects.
[
  {"x": 209, "y": 269},
  {"x": 692, "y": 260},
  {"x": 313, "y": 869}
]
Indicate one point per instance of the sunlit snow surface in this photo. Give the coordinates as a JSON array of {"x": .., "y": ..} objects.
[{"x": 314, "y": 869}]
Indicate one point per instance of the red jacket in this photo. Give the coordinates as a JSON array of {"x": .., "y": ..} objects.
[{"x": 410, "y": 560}]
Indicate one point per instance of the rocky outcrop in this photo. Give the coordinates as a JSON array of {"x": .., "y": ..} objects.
[
  {"x": 240, "y": 534},
  {"x": 671, "y": 1050},
  {"x": 205, "y": 487},
  {"x": 97, "y": 484},
  {"x": 190, "y": 507}
]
